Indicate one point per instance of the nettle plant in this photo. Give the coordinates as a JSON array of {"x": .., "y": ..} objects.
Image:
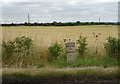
[
  {"x": 9, "y": 47},
  {"x": 82, "y": 45},
  {"x": 55, "y": 50},
  {"x": 112, "y": 46},
  {"x": 19, "y": 45}
]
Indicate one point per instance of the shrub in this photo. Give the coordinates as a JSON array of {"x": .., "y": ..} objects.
[
  {"x": 112, "y": 47},
  {"x": 55, "y": 50},
  {"x": 23, "y": 44},
  {"x": 82, "y": 45},
  {"x": 19, "y": 45},
  {"x": 9, "y": 47}
]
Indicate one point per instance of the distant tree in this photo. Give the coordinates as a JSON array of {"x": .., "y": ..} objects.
[
  {"x": 12, "y": 24},
  {"x": 35, "y": 24},
  {"x": 92, "y": 22},
  {"x": 54, "y": 23},
  {"x": 25, "y": 24},
  {"x": 78, "y": 22}
]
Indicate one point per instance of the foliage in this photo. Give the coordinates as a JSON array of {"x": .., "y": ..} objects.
[
  {"x": 23, "y": 43},
  {"x": 19, "y": 45},
  {"x": 54, "y": 23},
  {"x": 55, "y": 50},
  {"x": 57, "y": 54},
  {"x": 112, "y": 47},
  {"x": 9, "y": 47},
  {"x": 82, "y": 45}
]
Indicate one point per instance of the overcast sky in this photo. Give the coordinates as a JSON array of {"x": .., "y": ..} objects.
[{"x": 60, "y": 11}]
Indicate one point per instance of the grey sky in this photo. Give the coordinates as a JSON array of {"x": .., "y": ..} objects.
[{"x": 59, "y": 11}]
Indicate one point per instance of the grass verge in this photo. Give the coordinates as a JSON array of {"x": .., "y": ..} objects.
[{"x": 86, "y": 74}]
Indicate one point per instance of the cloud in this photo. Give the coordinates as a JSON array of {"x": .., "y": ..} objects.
[
  {"x": 59, "y": 11},
  {"x": 59, "y": 1}
]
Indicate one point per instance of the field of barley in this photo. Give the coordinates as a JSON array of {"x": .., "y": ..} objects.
[{"x": 45, "y": 36}]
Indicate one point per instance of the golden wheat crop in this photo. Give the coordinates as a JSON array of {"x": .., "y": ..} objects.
[{"x": 44, "y": 36}]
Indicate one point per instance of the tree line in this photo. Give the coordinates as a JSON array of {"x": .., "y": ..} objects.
[{"x": 54, "y": 23}]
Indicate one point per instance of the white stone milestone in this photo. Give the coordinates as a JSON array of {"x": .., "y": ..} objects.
[{"x": 70, "y": 51}]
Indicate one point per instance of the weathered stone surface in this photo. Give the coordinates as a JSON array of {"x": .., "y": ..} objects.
[{"x": 70, "y": 51}]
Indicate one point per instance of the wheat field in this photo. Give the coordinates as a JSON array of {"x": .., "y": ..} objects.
[{"x": 45, "y": 36}]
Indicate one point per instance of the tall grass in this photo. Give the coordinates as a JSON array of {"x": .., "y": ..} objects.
[{"x": 89, "y": 61}]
